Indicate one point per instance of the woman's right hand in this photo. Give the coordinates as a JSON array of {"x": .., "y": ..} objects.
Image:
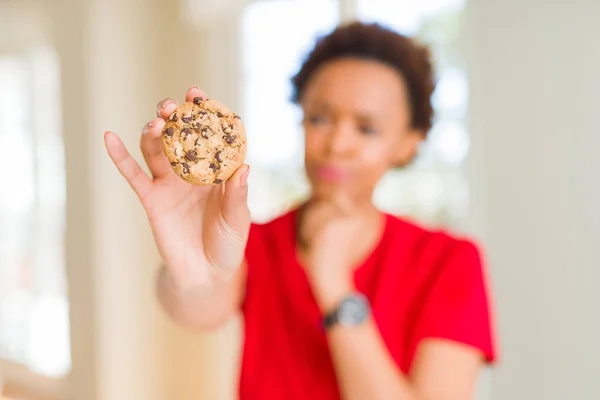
[{"x": 201, "y": 231}]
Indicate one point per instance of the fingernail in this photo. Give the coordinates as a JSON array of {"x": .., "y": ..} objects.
[
  {"x": 167, "y": 103},
  {"x": 244, "y": 177},
  {"x": 151, "y": 124},
  {"x": 146, "y": 128},
  {"x": 195, "y": 87}
]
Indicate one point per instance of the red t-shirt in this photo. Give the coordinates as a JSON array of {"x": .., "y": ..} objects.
[{"x": 421, "y": 284}]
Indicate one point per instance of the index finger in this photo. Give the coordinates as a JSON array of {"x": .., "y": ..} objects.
[
  {"x": 165, "y": 107},
  {"x": 195, "y": 92}
]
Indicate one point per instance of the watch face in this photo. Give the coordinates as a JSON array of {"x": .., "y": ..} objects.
[{"x": 353, "y": 310}]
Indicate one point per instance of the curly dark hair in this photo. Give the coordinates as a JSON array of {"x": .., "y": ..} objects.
[{"x": 376, "y": 42}]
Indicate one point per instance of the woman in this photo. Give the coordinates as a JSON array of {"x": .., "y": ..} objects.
[{"x": 339, "y": 300}]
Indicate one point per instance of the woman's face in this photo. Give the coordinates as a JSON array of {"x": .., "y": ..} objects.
[{"x": 357, "y": 125}]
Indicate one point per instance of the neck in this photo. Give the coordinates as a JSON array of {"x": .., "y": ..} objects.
[
  {"x": 371, "y": 217},
  {"x": 360, "y": 205}
]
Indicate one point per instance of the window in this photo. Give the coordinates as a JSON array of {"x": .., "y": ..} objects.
[
  {"x": 276, "y": 37},
  {"x": 434, "y": 189},
  {"x": 33, "y": 304}
]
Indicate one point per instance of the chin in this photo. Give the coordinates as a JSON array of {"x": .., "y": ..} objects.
[{"x": 326, "y": 189}]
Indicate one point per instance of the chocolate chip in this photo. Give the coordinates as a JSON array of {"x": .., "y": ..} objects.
[
  {"x": 220, "y": 114},
  {"x": 229, "y": 139},
  {"x": 173, "y": 163},
  {"x": 173, "y": 117},
  {"x": 214, "y": 167},
  {"x": 197, "y": 100},
  {"x": 186, "y": 168},
  {"x": 203, "y": 112},
  {"x": 197, "y": 126},
  {"x": 186, "y": 132},
  {"x": 205, "y": 132},
  {"x": 186, "y": 118},
  {"x": 191, "y": 155},
  {"x": 218, "y": 156},
  {"x": 168, "y": 132},
  {"x": 217, "y": 181}
]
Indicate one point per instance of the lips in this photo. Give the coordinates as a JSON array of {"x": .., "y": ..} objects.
[{"x": 330, "y": 173}]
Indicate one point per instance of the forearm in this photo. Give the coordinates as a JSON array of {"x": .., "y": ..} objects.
[
  {"x": 198, "y": 307},
  {"x": 364, "y": 367}
]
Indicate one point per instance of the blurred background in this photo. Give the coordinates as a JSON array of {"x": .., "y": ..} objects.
[{"x": 512, "y": 160}]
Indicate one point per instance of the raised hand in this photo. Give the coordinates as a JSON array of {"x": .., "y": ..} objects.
[{"x": 200, "y": 231}]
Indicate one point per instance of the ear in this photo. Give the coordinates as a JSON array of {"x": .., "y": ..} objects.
[{"x": 408, "y": 147}]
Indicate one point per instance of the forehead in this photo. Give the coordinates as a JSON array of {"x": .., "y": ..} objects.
[{"x": 357, "y": 85}]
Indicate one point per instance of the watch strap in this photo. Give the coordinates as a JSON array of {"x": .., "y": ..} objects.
[
  {"x": 335, "y": 316},
  {"x": 330, "y": 319}
]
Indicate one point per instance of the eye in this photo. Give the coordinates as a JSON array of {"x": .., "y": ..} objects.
[
  {"x": 316, "y": 119},
  {"x": 367, "y": 130}
]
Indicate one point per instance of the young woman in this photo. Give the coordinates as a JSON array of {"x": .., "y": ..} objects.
[{"x": 339, "y": 299}]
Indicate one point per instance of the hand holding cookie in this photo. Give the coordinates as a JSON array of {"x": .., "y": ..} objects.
[{"x": 196, "y": 198}]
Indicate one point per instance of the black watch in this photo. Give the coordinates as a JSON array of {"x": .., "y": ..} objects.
[{"x": 353, "y": 310}]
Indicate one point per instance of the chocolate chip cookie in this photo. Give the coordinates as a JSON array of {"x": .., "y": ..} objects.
[{"x": 204, "y": 141}]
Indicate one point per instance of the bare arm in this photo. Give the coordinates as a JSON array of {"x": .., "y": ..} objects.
[
  {"x": 443, "y": 370},
  {"x": 201, "y": 308},
  {"x": 446, "y": 370}
]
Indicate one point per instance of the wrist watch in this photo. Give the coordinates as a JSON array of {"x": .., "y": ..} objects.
[{"x": 353, "y": 310}]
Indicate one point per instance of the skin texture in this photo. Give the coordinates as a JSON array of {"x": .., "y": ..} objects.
[{"x": 357, "y": 123}]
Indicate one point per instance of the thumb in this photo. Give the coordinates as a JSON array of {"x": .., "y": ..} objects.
[{"x": 235, "y": 201}]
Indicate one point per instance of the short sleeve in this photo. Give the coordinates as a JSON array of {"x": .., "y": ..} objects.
[
  {"x": 254, "y": 257},
  {"x": 457, "y": 306}
]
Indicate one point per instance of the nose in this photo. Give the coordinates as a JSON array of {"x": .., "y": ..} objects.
[{"x": 341, "y": 139}]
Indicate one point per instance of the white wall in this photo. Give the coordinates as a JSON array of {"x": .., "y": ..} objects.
[{"x": 535, "y": 110}]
